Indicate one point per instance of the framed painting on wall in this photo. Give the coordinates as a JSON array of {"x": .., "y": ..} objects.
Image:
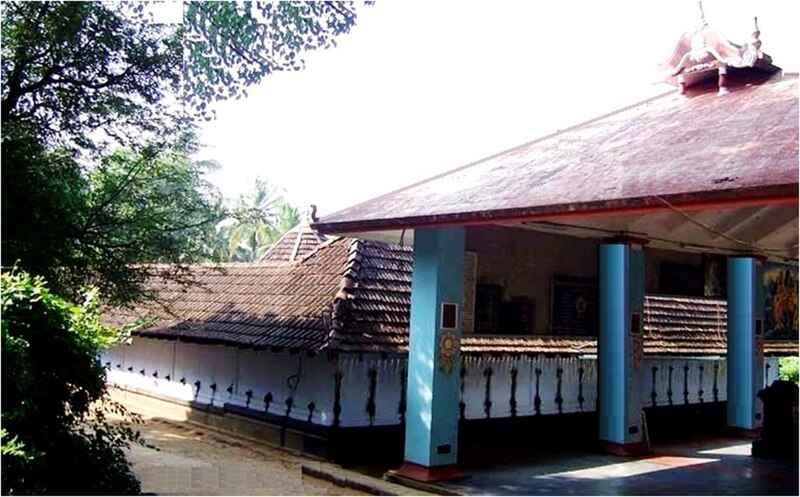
[
  {"x": 573, "y": 305},
  {"x": 487, "y": 308},
  {"x": 780, "y": 301}
]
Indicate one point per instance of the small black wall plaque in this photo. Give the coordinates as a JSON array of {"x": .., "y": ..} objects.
[{"x": 449, "y": 315}]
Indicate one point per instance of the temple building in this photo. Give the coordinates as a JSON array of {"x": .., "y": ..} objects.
[
  {"x": 617, "y": 282},
  {"x": 602, "y": 212}
]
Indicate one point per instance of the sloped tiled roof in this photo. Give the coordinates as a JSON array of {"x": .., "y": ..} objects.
[
  {"x": 294, "y": 244},
  {"x": 355, "y": 295},
  {"x": 478, "y": 344},
  {"x": 682, "y": 150},
  {"x": 378, "y": 296},
  {"x": 685, "y": 325},
  {"x": 260, "y": 305}
]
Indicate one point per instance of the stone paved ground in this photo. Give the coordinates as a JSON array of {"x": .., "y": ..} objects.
[
  {"x": 198, "y": 461},
  {"x": 701, "y": 467}
]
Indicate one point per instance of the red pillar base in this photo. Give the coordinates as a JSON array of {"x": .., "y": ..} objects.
[
  {"x": 426, "y": 474},
  {"x": 626, "y": 449}
]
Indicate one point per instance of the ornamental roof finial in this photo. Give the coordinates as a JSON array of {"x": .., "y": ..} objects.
[
  {"x": 311, "y": 214},
  {"x": 702, "y": 13}
]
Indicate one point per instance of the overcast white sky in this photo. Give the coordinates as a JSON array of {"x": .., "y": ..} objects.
[{"x": 418, "y": 88}]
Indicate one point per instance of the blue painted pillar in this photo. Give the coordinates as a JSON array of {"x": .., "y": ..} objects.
[
  {"x": 745, "y": 346},
  {"x": 434, "y": 359},
  {"x": 619, "y": 347}
]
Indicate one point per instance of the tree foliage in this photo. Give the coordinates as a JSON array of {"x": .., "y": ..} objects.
[
  {"x": 256, "y": 221},
  {"x": 232, "y": 45},
  {"x": 82, "y": 79},
  {"x": 789, "y": 369},
  {"x": 83, "y": 75},
  {"x": 97, "y": 109},
  {"x": 54, "y": 396},
  {"x": 102, "y": 226}
]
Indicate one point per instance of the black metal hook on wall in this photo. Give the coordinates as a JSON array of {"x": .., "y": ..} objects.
[
  {"x": 311, "y": 407},
  {"x": 373, "y": 384},
  {"x": 669, "y": 385},
  {"x": 653, "y": 394},
  {"x": 401, "y": 407},
  {"x": 513, "y": 400},
  {"x": 686, "y": 384},
  {"x": 337, "y": 397},
  {"x": 715, "y": 390},
  {"x": 559, "y": 399},
  {"x": 487, "y": 402},
  {"x": 700, "y": 392}
]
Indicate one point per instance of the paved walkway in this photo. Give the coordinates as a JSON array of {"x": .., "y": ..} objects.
[
  {"x": 198, "y": 461},
  {"x": 711, "y": 467}
]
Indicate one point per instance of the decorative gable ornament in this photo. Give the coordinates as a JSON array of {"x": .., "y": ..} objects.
[{"x": 702, "y": 53}]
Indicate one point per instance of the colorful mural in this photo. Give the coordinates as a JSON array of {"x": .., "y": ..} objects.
[{"x": 780, "y": 301}]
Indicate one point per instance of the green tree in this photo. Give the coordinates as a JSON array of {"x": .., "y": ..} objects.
[
  {"x": 288, "y": 216},
  {"x": 256, "y": 221},
  {"x": 97, "y": 107},
  {"x": 233, "y": 45},
  {"x": 789, "y": 369},
  {"x": 102, "y": 226},
  {"x": 55, "y": 407},
  {"x": 80, "y": 79}
]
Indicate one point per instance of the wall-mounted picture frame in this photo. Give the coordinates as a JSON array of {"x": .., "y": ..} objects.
[{"x": 573, "y": 305}]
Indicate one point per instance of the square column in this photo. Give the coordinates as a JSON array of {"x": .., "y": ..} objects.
[
  {"x": 745, "y": 343},
  {"x": 620, "y": 348},
  {"x": 434, "y": 359}
]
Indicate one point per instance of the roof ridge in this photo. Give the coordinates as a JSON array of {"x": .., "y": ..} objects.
[
  {"x": 548, "y": 136},
  {"x": 213, "y": 264},
  {"x": 349, "y": 278}
]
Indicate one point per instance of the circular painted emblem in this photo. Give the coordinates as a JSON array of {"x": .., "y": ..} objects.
[{"x": 448, "y": 348}]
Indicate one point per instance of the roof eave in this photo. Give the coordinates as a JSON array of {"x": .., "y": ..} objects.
[{"x": 730, "y": 198}]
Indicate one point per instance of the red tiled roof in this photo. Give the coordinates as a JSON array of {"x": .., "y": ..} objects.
[
  {"x": 260, "y": 305},
  {"x": 378, "y": 298},
  {"x": 294, "y": 244},
  {"x": 706, "y": 148},
  {"x": 355, "y": 295}
]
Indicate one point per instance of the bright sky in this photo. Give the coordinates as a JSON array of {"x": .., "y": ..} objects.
[{"x": 418, "y": 88}]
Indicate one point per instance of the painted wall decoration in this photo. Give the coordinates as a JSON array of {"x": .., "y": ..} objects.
[
  {"x": 574, "y": 305},
  {"x": 448, "y": 348},
  {"x": 780, "y": 301}
]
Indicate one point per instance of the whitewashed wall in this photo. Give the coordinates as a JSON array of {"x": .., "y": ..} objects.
[
  {"x": 302, "y": 378},
  {"x": 308, "y": 380},
  {"x": 696, "y": 379},
  {"x": 474, "y": 391},
  {"x": 390, "y": 376}
]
